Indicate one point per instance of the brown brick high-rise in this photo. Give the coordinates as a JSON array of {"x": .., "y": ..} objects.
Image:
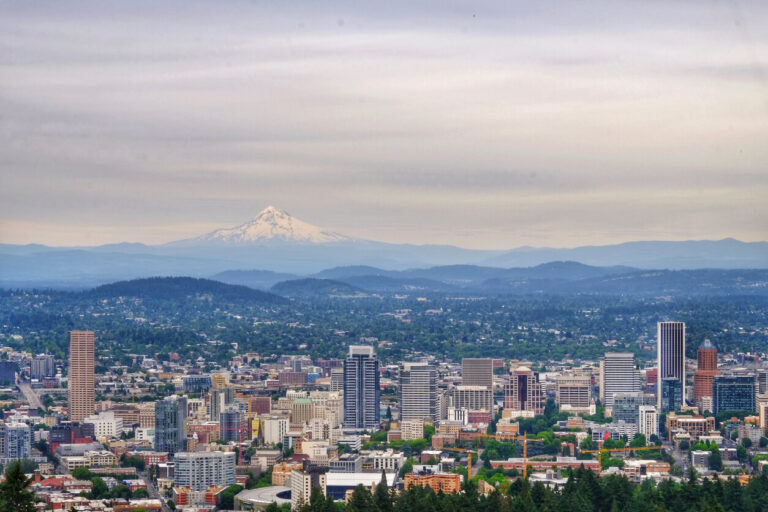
[
  {"x": 705, "y": 372},
  {"x": 81, "y": 379}
]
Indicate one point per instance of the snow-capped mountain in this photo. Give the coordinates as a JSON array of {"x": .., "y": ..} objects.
[{"x": 273, "y": 224}]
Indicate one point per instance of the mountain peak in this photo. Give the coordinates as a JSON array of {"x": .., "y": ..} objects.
[{"x": 273, "y": 224}]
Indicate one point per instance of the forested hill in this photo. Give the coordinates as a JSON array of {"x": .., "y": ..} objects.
[
  {"x": 315, "y": 288},
  {"x": 176, "y": 288}
]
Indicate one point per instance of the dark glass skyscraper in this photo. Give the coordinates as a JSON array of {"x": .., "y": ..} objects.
[
  {"x": 671, "y": 392},
  {"x": 230, "y": 423},
  {"x": 169, "y": 424},
  {"x": 734, "y": 393},
  {"x": 361, "y": 388}
]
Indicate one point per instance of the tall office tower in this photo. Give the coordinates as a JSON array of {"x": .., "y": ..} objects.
[
  {"x": 574, "y": 392},
  {"x": 81, "y": 379},
  {"x": 200, "y": 470},
  {"x": 706, "y": 370},
  {"x": 42, "y": 366},
  {"x": 230, "y": 424},
  {"x": 219, "y": 398},
  {"x": 361, "y": 388},
  {"x": 418, "y": 392},
  {"x": 671, "y": 393},
  {"x": 648, "y": 421},
  {"x": 671, "y": 354},
  {"x": 170, "y": 416},
  {"x": 523, "y": 394},
  {"x": 733, "y": 393},
  {"x": 617, "y": 375},
  {"x": 477, "y": 372}
]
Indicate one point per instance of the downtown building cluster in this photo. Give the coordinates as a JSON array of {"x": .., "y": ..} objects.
[{"x": 339, "y": 423}]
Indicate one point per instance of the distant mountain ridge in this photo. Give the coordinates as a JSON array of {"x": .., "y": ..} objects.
[{"x": 277, "y": 242}]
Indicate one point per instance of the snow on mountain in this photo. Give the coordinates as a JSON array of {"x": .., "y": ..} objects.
[{"x": 273, "y": 224}]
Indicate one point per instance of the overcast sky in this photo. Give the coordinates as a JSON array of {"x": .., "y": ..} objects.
[{"x": 481, "y": 125}]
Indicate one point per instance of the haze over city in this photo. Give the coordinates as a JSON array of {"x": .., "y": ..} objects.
[{"x": 488, "y": 125}]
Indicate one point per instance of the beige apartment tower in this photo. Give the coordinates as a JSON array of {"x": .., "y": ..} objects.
[{"x": 81, "y": 380}]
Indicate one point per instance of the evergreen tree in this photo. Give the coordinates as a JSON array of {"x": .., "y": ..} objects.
[
  {"x": 14, "y": 495},
  {"x": 381, "y": 497}
]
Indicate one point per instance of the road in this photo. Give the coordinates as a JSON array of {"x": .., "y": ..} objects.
[
  {"x": 31, "y": 396},
  {"x": 153, "y": 493}
]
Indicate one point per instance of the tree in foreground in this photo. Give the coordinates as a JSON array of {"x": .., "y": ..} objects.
[{"x": 14, "y": 494}]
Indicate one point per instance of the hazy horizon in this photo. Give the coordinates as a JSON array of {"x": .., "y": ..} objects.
[{"x": 486, "y": 126}]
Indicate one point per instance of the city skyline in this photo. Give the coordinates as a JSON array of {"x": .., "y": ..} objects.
[{"x": 484, "y": 126}]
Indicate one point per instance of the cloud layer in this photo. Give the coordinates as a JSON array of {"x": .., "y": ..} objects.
[{"x": 487, "y": 126}]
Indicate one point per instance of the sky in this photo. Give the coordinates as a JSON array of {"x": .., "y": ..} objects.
[{"x": 486, "y": 125}]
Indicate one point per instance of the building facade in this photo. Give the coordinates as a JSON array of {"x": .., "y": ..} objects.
[
  {"x": 671, "y": 394},
  {"x": 42, "y": 366},
  {"x": 170, "y": 419},
  {"x": 200, "y": 470},
  {"x": 670, "y": 340},
  {"x": 574, "y": 392},
  {"x": 418, "y": 392},
  {"x": 733, "y": 393},
  {"x": 361, "y": 388},
  {"x": 523, "y": 393},
  {"x": 617, "y": 375},
  {"x": 81, "y": 378},
  {"x": 476, "y": 371},
  {"x": 706, "y": 371}
]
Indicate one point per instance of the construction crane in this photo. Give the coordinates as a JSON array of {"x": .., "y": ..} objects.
[
  {"x": 469, "y": 458},
  {"x": 600, "y": 451},
  {"x": 512, "y": 437}
]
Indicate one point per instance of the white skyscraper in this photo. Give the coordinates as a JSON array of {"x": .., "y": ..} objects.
[
  {"x": 418, "y": 392},
  {"x": 617, "y": 375}
]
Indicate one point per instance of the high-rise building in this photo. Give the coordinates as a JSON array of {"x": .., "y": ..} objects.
[
  {"x": 574, "y": 392},
  {"x": 42, "y": 366},
  {"x": 523, "y": 393},
  {"x": 81, "y": 379},
  {"x": 671, "y": 355},
  {"x": 706, "y": 371},
  {"x": 230, "y": 424},
  {"x": 477, "y": 372},
  {"x": 472, "y": 398},
  {"x": 418, "y": 392},
  {"x": 17, "y": 440},
  {"x": 361, "y": 388},
  {"x": 671, "y": 393},
  {"x": 648, "y": 421},
  {"x": 8, "y": 371},
  {"x": 219, "y": 398},
  {"x": 170, "y": 416},
  {"x": 200, "y": 470},
  {"x": 626, "y": 406},
  {"x": 733, "y": 393},
  {"x": 617, "y": 375},
  {"x": 302, "y": 483}
]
